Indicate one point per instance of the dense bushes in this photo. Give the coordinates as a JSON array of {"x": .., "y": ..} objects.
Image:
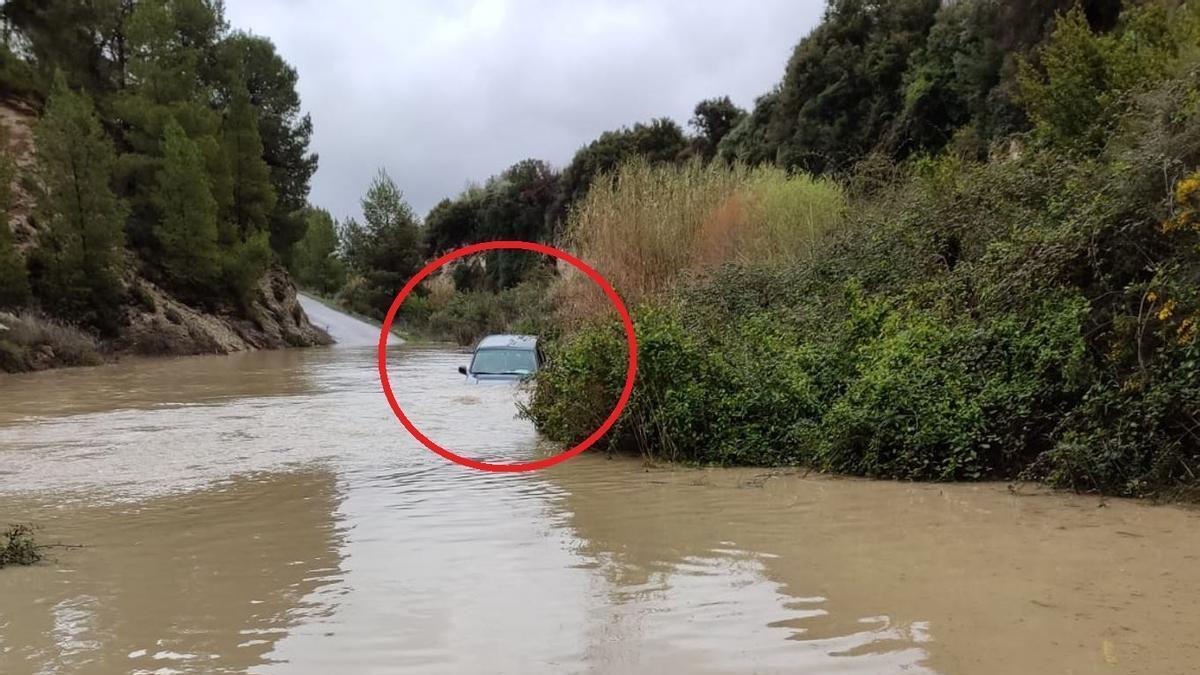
[
  {"x": 17, "y": 546},
  {"x": 883, "y": 391},
  {"x": 167, "y": 146},
  {"x": 1032, "y": 316},
  {"x": 440, "y": 311}
]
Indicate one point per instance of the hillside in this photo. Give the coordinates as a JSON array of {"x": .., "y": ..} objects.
[
  {"x": 153, "y": 322},
  {"x": 154, "y": 181}
]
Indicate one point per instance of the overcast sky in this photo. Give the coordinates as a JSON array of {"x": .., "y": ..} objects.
[{"x": 445, "y": 92}]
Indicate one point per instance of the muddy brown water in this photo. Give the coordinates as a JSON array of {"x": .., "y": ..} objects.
[{"x": 265, "y": 513}]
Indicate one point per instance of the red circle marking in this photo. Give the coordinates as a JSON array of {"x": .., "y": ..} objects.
[{"x": 592, "y": 274}]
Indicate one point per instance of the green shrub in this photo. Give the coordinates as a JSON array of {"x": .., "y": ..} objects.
[
  {"x": 712, "y": 400},
  {"x": 1030, "y": 316},
  {"x": 941, "y": 398},
  {"x": 467, "y": 317},
  {"x": 17, "y": 546},
  {"x": 1074, "y": 97}
]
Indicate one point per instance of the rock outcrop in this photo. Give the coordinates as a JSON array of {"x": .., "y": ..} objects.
[{"x": 159, "y": 324}]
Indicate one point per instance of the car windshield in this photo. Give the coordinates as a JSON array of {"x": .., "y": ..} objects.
[{"x": 504, "y": 362}]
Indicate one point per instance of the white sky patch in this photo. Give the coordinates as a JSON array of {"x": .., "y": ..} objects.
[{"x": 445, "y": 92}]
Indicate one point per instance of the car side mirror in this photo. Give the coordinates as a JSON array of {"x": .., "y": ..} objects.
[{"x": 462, "y": 370}]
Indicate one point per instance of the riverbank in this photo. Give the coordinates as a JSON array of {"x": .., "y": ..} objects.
[{"x": 1032, "y": 312}]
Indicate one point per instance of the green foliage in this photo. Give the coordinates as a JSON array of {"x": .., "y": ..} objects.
[
  {"x": 843, "y": 83},
  {"x": 748, "y": 141},
  {"x": 244, "y": 264},
  {"x": 897, "y": 78},
  {"x": 943, "y": 398},
  {"x": 660, "y": 141},
  {"x": 1033, "y": 316},
  {"x": 14, "y": 279},
  {"x": 284, "y": 130},
  {"x": 76, "y": 272},
  {"x": 512, "y": 205},
  {"x": 18, "y": 547},
  {"x": 713, "y": 119},
  {"x": 315, "y": 261},
  {"x": 194, "y": 108},
  {"x": 453, "y": 223},
  {"x": 16, "y": 76},
  {"x": 384, "y": 251},
  {"x": 1074, "y": 98},
  {"x": 953, "y": 78},
  {"x": 465, "y": 317},
  {"x": 187, "y": 229}
]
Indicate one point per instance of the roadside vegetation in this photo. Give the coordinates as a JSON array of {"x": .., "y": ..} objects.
[
  {"x": 1029, "y": 312},
  {"x": 165, "y": 145},
  {"x": 958, "y": 241}
]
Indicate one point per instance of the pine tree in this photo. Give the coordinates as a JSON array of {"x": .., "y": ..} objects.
[
  {"x": 79, "y": 256},
  {"x": 253, "y": 198},
  {"x": 14, "y": 282},
  {"x": 187, "y": 231},
  {"x": 388, "y": 248},
  {"x": 314, "y": 258}
]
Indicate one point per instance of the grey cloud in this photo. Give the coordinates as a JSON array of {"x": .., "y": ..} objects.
[{"x": 443, "y": 93}]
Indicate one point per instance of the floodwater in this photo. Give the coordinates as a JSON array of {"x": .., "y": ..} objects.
[{"x": 265, "y": 513}]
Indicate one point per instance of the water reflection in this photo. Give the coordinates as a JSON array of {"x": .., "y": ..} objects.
[
  {"x": 148, "y": 383},
  {"x": 698, "y": 575},
  {"x": 289, "y": 525},
  {"x": 203, "y": 582}
]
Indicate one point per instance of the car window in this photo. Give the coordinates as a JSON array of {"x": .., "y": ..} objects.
[{"x": 504, "y": 362}]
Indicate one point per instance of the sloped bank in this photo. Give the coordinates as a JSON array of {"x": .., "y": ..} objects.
[{"x": 157, "y": 324}]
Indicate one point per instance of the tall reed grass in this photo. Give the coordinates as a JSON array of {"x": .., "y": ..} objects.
[{"x": 645, "y": 225}]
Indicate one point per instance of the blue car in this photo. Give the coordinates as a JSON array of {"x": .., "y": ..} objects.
[{"x": 503, "y": 358}]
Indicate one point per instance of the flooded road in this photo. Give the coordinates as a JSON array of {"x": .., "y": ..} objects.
[{"x": 265, "y": 513}]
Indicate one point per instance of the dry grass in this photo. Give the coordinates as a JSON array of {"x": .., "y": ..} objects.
[
  {"x": 440, "y": 289},
  {"x": 645, "y": 225},
  {"x": 30, "y": 341}
]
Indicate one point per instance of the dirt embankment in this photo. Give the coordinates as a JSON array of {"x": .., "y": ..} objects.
[{"x": 153, "y": 322}]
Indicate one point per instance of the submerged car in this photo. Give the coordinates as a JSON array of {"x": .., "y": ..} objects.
[{"x": 503, "y": 358}]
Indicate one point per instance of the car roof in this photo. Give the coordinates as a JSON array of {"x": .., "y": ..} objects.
[{"x": 508, "y": 342}]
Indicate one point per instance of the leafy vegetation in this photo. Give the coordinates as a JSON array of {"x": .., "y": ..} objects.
[
  {"x": 316, "y": 263},
  {"x": 18, "y": 546},
  {"x": 168, "y": 145},
  {"x": 1032, "y": 314},
  {"x": 75, "y": 270},
  {"x": 14, "y": 279},
  {"x": 383, "y": 252}
]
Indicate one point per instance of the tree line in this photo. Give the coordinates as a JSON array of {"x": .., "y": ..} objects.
[
  {"x": 876, "y": 81},
  {"x": 167, "y": 140},
  {"x": 1016, "y": 296}
]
